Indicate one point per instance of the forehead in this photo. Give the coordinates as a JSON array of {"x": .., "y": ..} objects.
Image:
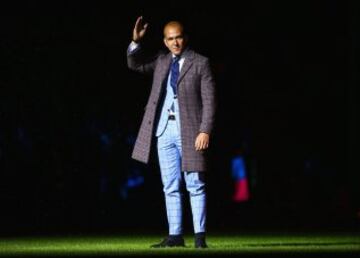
[{"x": 172, "y": 30}]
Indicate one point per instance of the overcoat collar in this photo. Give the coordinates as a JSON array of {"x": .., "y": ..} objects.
[{"x": 188, "y": 55}]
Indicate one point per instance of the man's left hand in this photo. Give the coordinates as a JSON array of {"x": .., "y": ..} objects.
[{"x": 202, "y": 141}]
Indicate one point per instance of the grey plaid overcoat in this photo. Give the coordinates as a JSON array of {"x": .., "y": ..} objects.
[{"x": 196, "y": 97}]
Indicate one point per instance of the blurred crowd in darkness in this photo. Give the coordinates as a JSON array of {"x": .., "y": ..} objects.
[{"x": 92, "y": 156}]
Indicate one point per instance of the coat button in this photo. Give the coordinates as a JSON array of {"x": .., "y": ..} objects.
[
  {"x": 154, "y": 103},
  {"x": 149, "y": 122}
]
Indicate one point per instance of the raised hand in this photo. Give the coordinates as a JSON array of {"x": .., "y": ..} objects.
[{"x": 139, "y": 29}]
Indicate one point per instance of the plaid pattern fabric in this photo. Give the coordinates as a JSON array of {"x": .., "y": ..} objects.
[
  {"x": 196, "y": 99},
  {"x": 169, "y": 153}
]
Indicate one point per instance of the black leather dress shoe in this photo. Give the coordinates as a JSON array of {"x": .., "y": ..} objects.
[
  {"x": 170, "y": 241},
  {"x": 200, "y": 241}
]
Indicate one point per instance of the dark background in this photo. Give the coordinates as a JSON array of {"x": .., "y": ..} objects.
[{"x": 70, "y": 109}]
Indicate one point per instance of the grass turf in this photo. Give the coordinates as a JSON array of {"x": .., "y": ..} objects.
[{"x": 267, "y": 243}]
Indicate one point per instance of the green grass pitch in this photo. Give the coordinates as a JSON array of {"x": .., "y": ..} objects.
[{"x": 218, "y": 244}]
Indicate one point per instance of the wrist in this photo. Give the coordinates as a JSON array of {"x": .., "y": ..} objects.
[{"x": 205, "y": 133}]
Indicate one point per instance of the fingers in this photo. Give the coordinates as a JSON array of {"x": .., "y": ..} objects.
[
  {"x": 139, "y": 25},
  {"x": 139, "y": 29},
  {"x": 204, "y": 145},
  {"x": 138, "y": 22}
]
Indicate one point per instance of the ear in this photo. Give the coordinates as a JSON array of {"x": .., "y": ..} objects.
[{"x": 165, "y": 42}]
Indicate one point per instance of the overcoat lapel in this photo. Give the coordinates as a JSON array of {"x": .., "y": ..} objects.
[
  {"x": 188, "y": 55},
  {"x": 164, "y": 69}
]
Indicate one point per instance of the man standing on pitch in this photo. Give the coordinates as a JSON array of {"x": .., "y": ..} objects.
[{"x": 180, "y": 115}]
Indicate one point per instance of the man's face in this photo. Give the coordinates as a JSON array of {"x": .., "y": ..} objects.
[{"x": 174, "y": 39}]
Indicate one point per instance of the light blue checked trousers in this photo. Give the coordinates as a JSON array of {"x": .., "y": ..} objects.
[{"x": 169, "y": 153}]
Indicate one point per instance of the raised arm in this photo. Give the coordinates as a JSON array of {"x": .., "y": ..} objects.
[{"x": 135, "y": 59}]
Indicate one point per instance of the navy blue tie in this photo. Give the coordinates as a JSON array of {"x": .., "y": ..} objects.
[
  {"x": 174, "y": 73},
  {"x": 174, "y": 76}
]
